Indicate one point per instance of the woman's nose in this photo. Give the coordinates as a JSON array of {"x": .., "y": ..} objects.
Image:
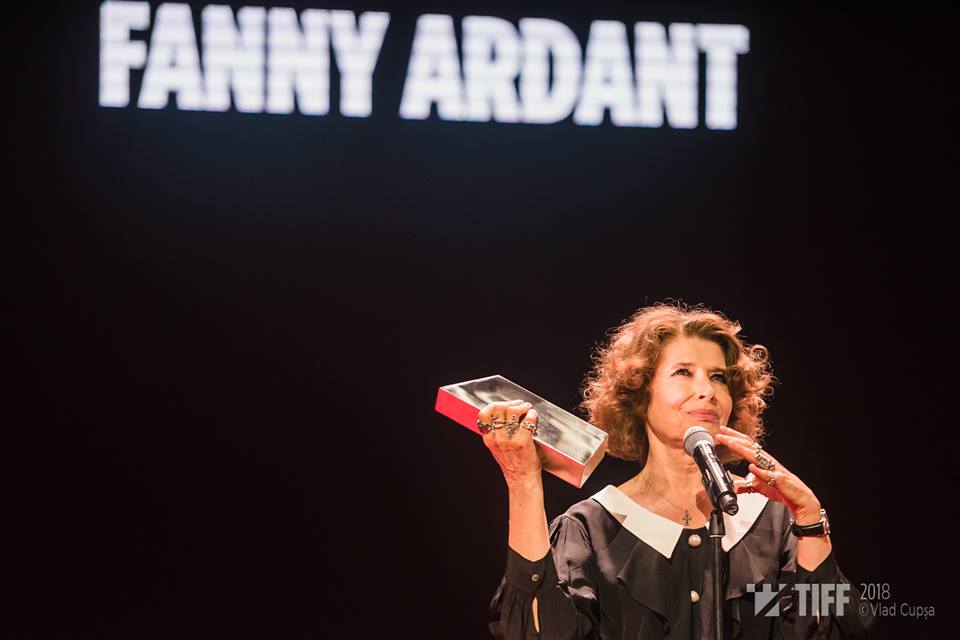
[{"x": 703, "y": 388}]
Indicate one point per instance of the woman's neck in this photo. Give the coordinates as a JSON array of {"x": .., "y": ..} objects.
[{"x": 669, "y": 468}]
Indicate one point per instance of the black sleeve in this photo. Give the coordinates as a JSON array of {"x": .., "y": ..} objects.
[
  {"x": 563, "y": 583},
  {"x": 843, "y": 615}
]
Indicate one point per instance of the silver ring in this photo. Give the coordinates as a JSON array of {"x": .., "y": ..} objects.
[
  {"x": 530, "y": 426},
  {"x": 772, "y": 480},
  {"x": 484, "y": 427},
  {"x": 763, "y": 461}
]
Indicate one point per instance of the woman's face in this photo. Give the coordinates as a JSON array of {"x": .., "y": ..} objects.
[{"x": 689, "y": 389}]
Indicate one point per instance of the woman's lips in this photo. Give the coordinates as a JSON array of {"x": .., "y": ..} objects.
[{"x": 705, "y": 415}]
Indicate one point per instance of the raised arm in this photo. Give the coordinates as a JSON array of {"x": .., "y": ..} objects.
[{"x": 534, "y": 600}]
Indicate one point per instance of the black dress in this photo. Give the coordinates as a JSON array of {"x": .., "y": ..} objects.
[{"x": 616, "y": 570}]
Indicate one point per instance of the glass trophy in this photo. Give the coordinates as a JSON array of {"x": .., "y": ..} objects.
[{"x": 570, "y": 448}]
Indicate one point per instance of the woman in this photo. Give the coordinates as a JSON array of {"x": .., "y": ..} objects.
[{"x": 631, "y": 562}]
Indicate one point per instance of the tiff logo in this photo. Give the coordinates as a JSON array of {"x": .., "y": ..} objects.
[{"x": 820, "y": 596}]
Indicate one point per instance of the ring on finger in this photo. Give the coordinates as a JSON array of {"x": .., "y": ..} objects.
[
  {"x": 512, "y": 428},
  {"x": 772, "y": 480},
  {"x": 529, "y": 426},
  {"x": 763, "y": 461},
  {"x": 498, "y": 423},
  {"x": 484, "y": 427}
]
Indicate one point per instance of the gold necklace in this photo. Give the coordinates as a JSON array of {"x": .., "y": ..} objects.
[{"x": 684, "y": 510}]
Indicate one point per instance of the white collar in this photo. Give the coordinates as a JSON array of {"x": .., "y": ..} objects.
[{"x": 661, "y": 533}]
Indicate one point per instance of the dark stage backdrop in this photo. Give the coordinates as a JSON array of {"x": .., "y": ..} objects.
[{"x": 230, "y": 327}]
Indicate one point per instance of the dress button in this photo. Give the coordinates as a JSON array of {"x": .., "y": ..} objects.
[
  {"x": 694, "y": 540},
  {"x": 694, "y": 596},
  {"x": 535, "y": 577}
]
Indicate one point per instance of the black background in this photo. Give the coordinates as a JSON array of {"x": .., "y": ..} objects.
[{"x": 230, "y": 328}]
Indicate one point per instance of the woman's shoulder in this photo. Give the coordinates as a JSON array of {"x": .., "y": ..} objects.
[
  {"x": 584, "y": 515},
  {"x": 575, "y": 533},
  {"x": 586, "y": 511},
  {"x": 590, "y": 516}
]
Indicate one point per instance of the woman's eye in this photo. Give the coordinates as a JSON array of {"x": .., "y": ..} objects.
[{"x": 721, "y": 377}]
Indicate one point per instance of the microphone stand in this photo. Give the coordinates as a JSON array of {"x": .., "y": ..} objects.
[
  {"x": 716, "y": 536},
  {"x": 716, "y": 532},
  {"x": 718, "y": 485}
]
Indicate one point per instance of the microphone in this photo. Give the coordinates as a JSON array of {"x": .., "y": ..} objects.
[{"x": 698, "y": 443}]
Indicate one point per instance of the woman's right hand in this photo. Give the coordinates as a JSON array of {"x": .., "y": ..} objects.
[{"x": 517, "y": 456}]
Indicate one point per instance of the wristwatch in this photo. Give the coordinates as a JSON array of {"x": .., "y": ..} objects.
[{"x": 821, "y": 528}]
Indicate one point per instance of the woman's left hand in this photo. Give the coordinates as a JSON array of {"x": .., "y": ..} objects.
[{"x": 776, "y": 482}]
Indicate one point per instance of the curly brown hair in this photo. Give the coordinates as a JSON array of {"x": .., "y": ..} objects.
[{"x": 616, "y": 392}]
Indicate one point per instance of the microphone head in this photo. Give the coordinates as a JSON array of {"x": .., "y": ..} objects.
[
  {"x": 693, "y": 437},
  {"x": 728, "y": 503}
]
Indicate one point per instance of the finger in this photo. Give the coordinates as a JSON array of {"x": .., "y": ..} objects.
[
  {"x": 778, "y": 473},
  {"x": 728, "y": 435},
  {"x": 768, "y": 477},
  {"x": 745, "y": 485},
  {"x": 531, "y": 418},
  {"x": 765, "y": 459},
  {"x": 485, "y": 412},
  {"x": 512, "y": 404},
  {"x": 523, "y": 434},
  {"x": 483, "y": 421},
  {"x": 515, "y": 414},
  {"x": 497, "y": 406},
  {"x": 761, "y": 483},
  {"x": 740, "y": 447},
  {"x": 493, "y": 409},
  {"x": 493, "y": 414},
  {"x": 515, "y": 411},
  {"x": 505, "y": 416},
  {"x": 731, "y": 431},
  {"x": 748, "y": 450},
  {"x": 499, "y": 411}
]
